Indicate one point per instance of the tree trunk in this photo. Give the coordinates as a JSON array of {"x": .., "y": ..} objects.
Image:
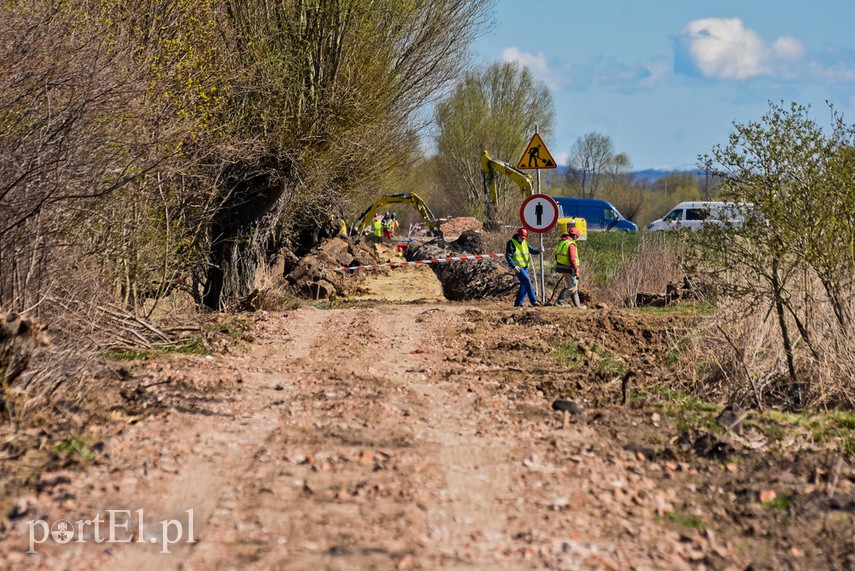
[{"x": 795, "y": 388}]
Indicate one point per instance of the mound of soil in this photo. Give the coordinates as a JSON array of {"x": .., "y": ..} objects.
[
  {"x": 455, "y": 227},
  {"x": 315, "y": 275},
  {"x": 470, "y": 279}
]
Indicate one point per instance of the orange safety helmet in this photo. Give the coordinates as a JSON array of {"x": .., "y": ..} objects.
[
  {"x": 574, "y": 232},
  {"x": 522, "y": 233}
]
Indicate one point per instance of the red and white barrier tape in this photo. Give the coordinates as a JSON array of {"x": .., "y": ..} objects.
[{"x": 419, "y": 262}]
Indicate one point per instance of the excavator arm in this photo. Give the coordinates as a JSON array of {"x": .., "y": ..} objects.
[
  {"x": 411, "y": 197},
  {"x": 490, "y": 165}
]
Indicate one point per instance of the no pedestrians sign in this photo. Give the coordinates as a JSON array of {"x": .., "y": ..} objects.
[{"x": 539, "y": 213}]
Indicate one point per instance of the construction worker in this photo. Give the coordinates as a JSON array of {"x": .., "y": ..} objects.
[
  {"x": 518, "y": 254},
  {"x": 394, "y": 223},
  {"x": 387, "y": 226},
  {"x": 567, "y": 264},
  {"x": 377, "y": 227}
]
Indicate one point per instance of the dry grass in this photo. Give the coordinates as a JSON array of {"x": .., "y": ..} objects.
[
  {"x": 654, "y": 265},
  {"x": 45, "y": 385},
  {"x": 618, "y": 266},
  {"x": 737, "y": 356},
  {"x": 270, "y": 291}
]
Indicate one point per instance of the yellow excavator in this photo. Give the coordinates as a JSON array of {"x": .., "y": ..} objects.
[
  {"x": 408, "y": 197},
  {"x": 490, "y": 165}
]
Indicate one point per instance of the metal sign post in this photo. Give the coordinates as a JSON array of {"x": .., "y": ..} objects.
[
  {"x": 537, "y": 156},
  {"x": 542, "y": 274},
  {"x": 539, "y": 213}
]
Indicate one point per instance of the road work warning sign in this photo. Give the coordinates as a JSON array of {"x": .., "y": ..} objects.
[{"x": 536, "y": 155}]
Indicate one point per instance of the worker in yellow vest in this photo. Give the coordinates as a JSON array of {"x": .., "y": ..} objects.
[
  {"x": 377, "y": 227},
  {"x": 518, "y": 254},
  {"x": 567, "y": 264}
]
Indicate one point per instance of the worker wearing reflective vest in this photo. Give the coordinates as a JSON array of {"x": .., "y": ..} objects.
[
  {"x": 567, "y": 264},
  {"x": 518, "y": 254},
  {"x": 377, "y": 226},
  {"x": 387, "y": 226}
]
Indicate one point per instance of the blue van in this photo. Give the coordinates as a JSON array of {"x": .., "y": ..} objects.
[{"x": 599, "y": 214}]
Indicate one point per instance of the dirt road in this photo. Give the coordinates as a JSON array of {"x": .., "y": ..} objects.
[
  {"x": 350, "y": 439},
  {"x": 398, "y": 436}
]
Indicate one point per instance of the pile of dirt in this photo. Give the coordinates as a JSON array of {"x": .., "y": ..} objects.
[
  {"x": 470, "y": 279},
  {"x": 455, "y": 227},
  {"x": 315, "y": 275}
]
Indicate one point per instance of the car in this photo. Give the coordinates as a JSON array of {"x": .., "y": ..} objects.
[
  {"x": 598, "y": 214},
  {"x": 695, "y": 215}
]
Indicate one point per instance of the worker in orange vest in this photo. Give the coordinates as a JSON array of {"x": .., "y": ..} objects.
[{"x": 567, "y": 264}]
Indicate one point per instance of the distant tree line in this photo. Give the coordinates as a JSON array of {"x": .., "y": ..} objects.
[{"x": 496, "y": 109}]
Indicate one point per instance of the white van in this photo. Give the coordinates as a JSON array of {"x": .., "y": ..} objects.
[{"x": 694, "y": 215}]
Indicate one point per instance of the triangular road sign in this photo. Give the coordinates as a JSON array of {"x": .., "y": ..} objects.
[{"x": 536, "y": 155}]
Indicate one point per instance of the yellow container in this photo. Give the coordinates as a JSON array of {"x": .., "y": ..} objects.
[{"x": 564, "y": 224}]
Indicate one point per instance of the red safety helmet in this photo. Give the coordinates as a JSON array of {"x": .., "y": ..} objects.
[
  {"x": 574, "y": 232},
  {"x": 522, "y": 233}
]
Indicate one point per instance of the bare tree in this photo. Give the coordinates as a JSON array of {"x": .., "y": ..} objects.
[
  {"x": 68, "y": 113},
  {"x": 592, "y": 160}
]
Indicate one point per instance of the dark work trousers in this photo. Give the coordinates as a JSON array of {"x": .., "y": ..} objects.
[{"x": 526, "y": 288}]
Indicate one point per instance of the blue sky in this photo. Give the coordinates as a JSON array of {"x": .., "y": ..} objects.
[{"x": 666, "y": 79}]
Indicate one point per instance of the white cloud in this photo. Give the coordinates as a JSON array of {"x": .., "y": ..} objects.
[
  {"x": 788, "y": 48},
  {"x": 723, "y": 48},
  {"x": 537, "y": 64}
]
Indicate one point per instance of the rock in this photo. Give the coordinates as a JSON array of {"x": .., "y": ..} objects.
[
  {"x": 567, "y": 405},
  {"x": 731, "y": 418}
]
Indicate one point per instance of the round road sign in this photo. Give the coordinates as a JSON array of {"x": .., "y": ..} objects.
[{"x": 539, "y": 213}]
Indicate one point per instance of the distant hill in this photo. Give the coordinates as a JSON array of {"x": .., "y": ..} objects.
[
  {"x": 648, "y": 175},
  {"x": 652, "y": 175}
]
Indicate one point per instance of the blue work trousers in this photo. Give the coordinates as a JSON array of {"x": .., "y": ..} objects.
[{"x": 526, "y": 288}]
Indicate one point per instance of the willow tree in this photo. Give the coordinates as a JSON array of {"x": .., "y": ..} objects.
[
  {"x": 327, "y": 101},
  {"x": 495, "y": 110}
]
